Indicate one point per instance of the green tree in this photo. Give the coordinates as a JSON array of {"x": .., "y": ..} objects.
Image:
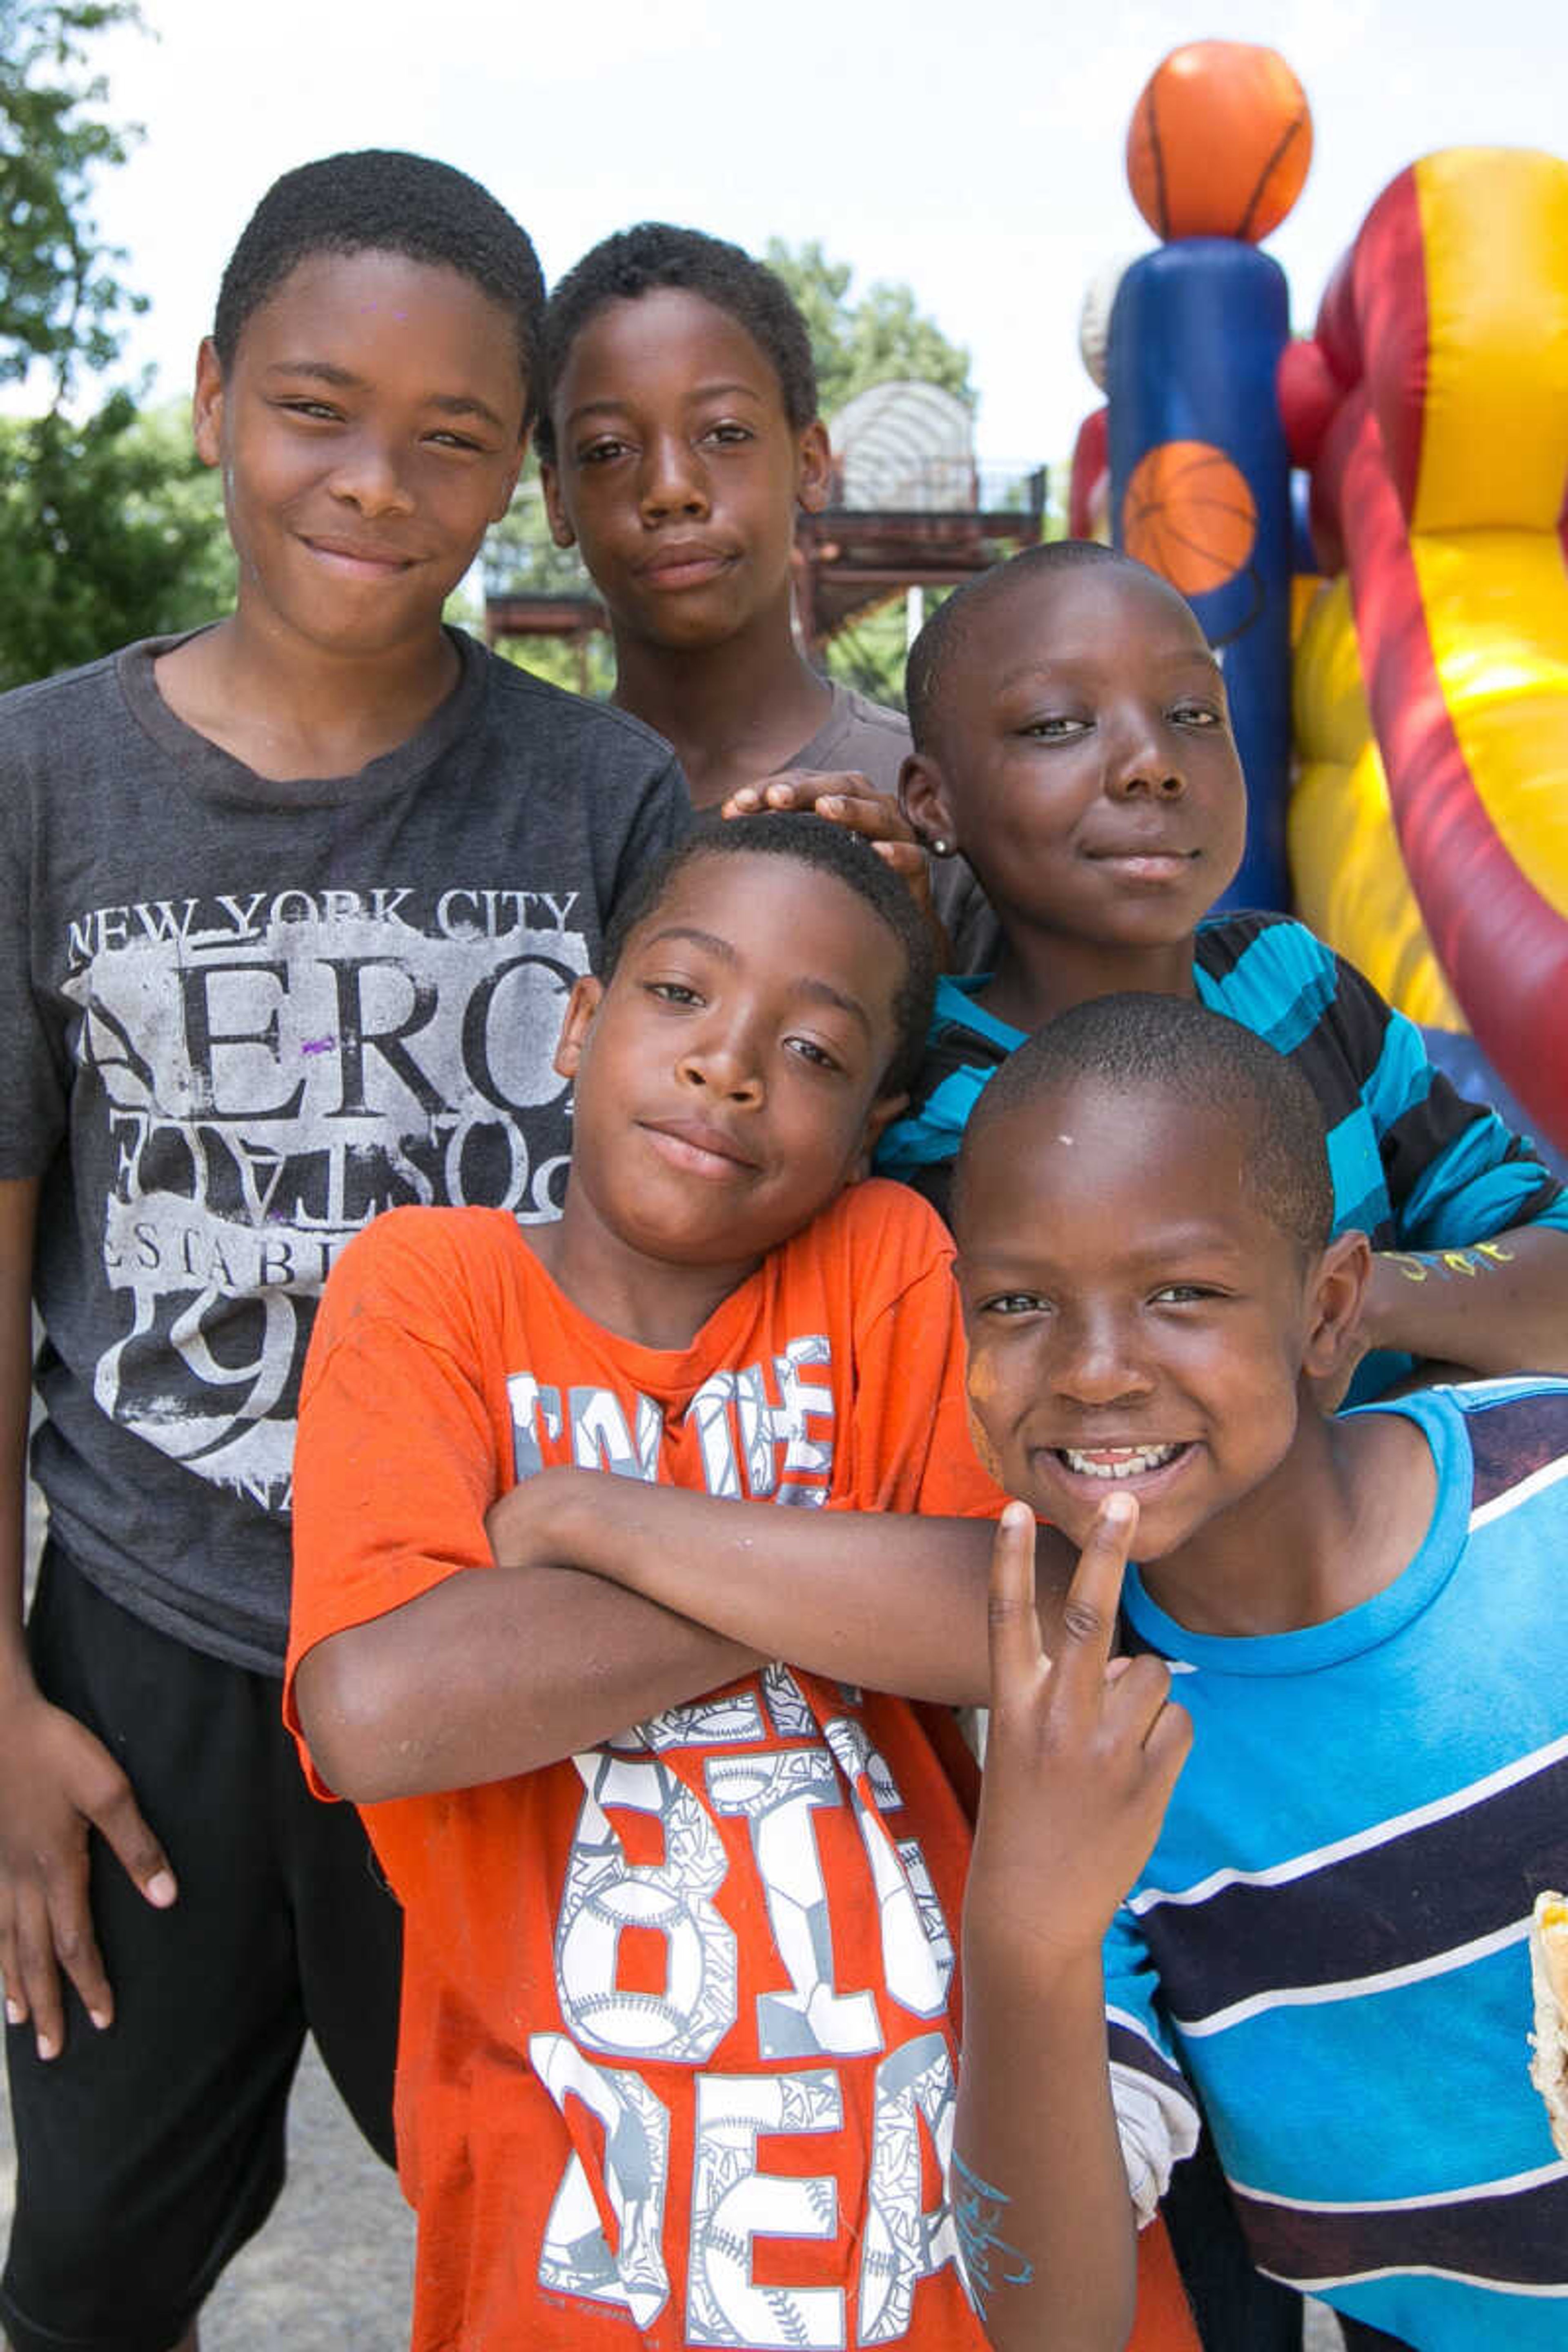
[
  {"x": 59, "y": 298},
  {"x": 878, "y": 337},
  {"x": 110, "y": 529},
  {"x": 520, "y": 554}
]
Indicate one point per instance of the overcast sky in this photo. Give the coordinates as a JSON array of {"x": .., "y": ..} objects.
[{"x": 972, "y": 147}]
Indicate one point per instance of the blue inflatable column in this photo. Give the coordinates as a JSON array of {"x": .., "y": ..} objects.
[{"x": 1196, "y": 337}]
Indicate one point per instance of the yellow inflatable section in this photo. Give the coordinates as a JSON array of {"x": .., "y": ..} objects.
[
  {"x": 1441, "y": 474},
  {"x": 1497, "y": 602},
  {"x": 1349, "y": 880}
]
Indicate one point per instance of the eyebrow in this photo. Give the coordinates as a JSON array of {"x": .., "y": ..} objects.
[
  {"x": 822, "y": 991},
  {"x": 1041, "y": 665},
  {"x": 816, "y": 991},
  {"x": 1174, "y": 1255},
  {"x": 709, "y": 940},
  {"x": 446, "y": 403},
  {"x": 699, "y": 391},
  {"x": 712, "y": 391}
]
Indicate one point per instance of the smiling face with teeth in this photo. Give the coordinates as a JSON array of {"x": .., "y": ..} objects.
[{"x": 1137, "y": 1319}]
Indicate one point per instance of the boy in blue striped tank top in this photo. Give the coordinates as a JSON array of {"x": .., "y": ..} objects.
[
  {"x": 1072, "y": 741},
  {"x": 1321, "y": 1926}
]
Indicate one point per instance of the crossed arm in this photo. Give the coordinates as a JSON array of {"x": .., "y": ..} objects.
[{"x": 611, "y": 1600}]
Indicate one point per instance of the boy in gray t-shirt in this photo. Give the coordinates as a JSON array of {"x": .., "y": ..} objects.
[{"x": 296, "y": 902}]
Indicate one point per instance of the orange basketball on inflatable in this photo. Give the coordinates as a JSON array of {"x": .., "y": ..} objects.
[
  {"x": 1220, "y": 142},
  {"x": 1188, "y": 514}
]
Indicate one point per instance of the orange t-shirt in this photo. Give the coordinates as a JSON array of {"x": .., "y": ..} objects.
[{"x": 679, "y": 2049}]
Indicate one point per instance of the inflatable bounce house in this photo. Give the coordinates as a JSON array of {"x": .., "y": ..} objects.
[{"x": 1394, "y": 623}]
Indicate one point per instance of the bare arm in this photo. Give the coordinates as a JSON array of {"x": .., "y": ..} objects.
[
  {"x": 494, "y": 1672},
  {"x": 418, "y": 1664},
  {"x": 19, "y": 1214},
  {"x": 613, "y": 1600},
  {"x": 1083, "y": 1755},
  {"x": 890, "y": 1601},
  {"x": 1499, "y": 1305},
  {"x": 57, "y": 1781}
]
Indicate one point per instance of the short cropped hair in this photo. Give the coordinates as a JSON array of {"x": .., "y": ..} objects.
[
  {"x": 380, "y": 200},
  {"x": 1175, "y": 1046},
  {"x": 641, "y": 260},
  {"x": 811, "y": 840},
  {"x": 934, "y": 651}
]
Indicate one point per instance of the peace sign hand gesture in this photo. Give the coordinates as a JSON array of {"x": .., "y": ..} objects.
[{"x": 1084, "y": 1752}]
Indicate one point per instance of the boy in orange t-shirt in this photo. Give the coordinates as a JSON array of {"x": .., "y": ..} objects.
[{"x": 679, "y": 2045}]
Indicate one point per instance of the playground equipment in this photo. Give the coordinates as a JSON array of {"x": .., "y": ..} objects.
[
  {"x": 905, "y": 448},
  {"x": 1219, "y": 142},
  {"x": 1199, "y": 485},
  {"x": 1428, "y": 826},
  {"x": 911, "y": 508}
]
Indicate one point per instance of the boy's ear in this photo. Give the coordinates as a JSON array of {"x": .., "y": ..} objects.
[
  {"x": 207, "y": 404},
  {"x": 561, "y": 529},
  {"x": 813, "y": 468},
  {"x": 1333, "y": 1306},
  {"x": 879, "y": 1118},
  {"x": 925, "y": 802},
  {"x": 587, "y": 995}
]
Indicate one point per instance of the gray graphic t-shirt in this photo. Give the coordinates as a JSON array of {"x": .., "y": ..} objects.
[{"x": 237, "y": 1020}]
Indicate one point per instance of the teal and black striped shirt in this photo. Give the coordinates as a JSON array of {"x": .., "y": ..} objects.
[{"x": 1414, "y": 1165}]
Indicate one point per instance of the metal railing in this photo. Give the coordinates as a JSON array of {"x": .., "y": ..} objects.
[{"x": 877, "y": 485}]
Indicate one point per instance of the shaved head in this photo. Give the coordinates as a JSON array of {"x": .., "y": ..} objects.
[{"x": 1213, "y": 1066}]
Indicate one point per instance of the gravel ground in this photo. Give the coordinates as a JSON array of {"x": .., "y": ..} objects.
[{"x": 335, "y": 2264}]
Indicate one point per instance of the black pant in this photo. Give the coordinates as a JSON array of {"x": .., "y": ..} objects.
[
  {"x": 148, "y": 2155},
  {"x": 1236, "y": 2308}
]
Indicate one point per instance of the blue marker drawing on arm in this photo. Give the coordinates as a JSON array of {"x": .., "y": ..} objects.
[{"x": 984, "y": 2253}]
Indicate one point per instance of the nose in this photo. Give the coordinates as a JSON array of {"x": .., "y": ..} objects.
[
  {"x": 674, "y": 481},
  {"x": 1142, "y": 757},
  {"x": 367, "y": 476},
  {"x": 1092, "y": 1360},
  {"x": 723, "y": 1062}
]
